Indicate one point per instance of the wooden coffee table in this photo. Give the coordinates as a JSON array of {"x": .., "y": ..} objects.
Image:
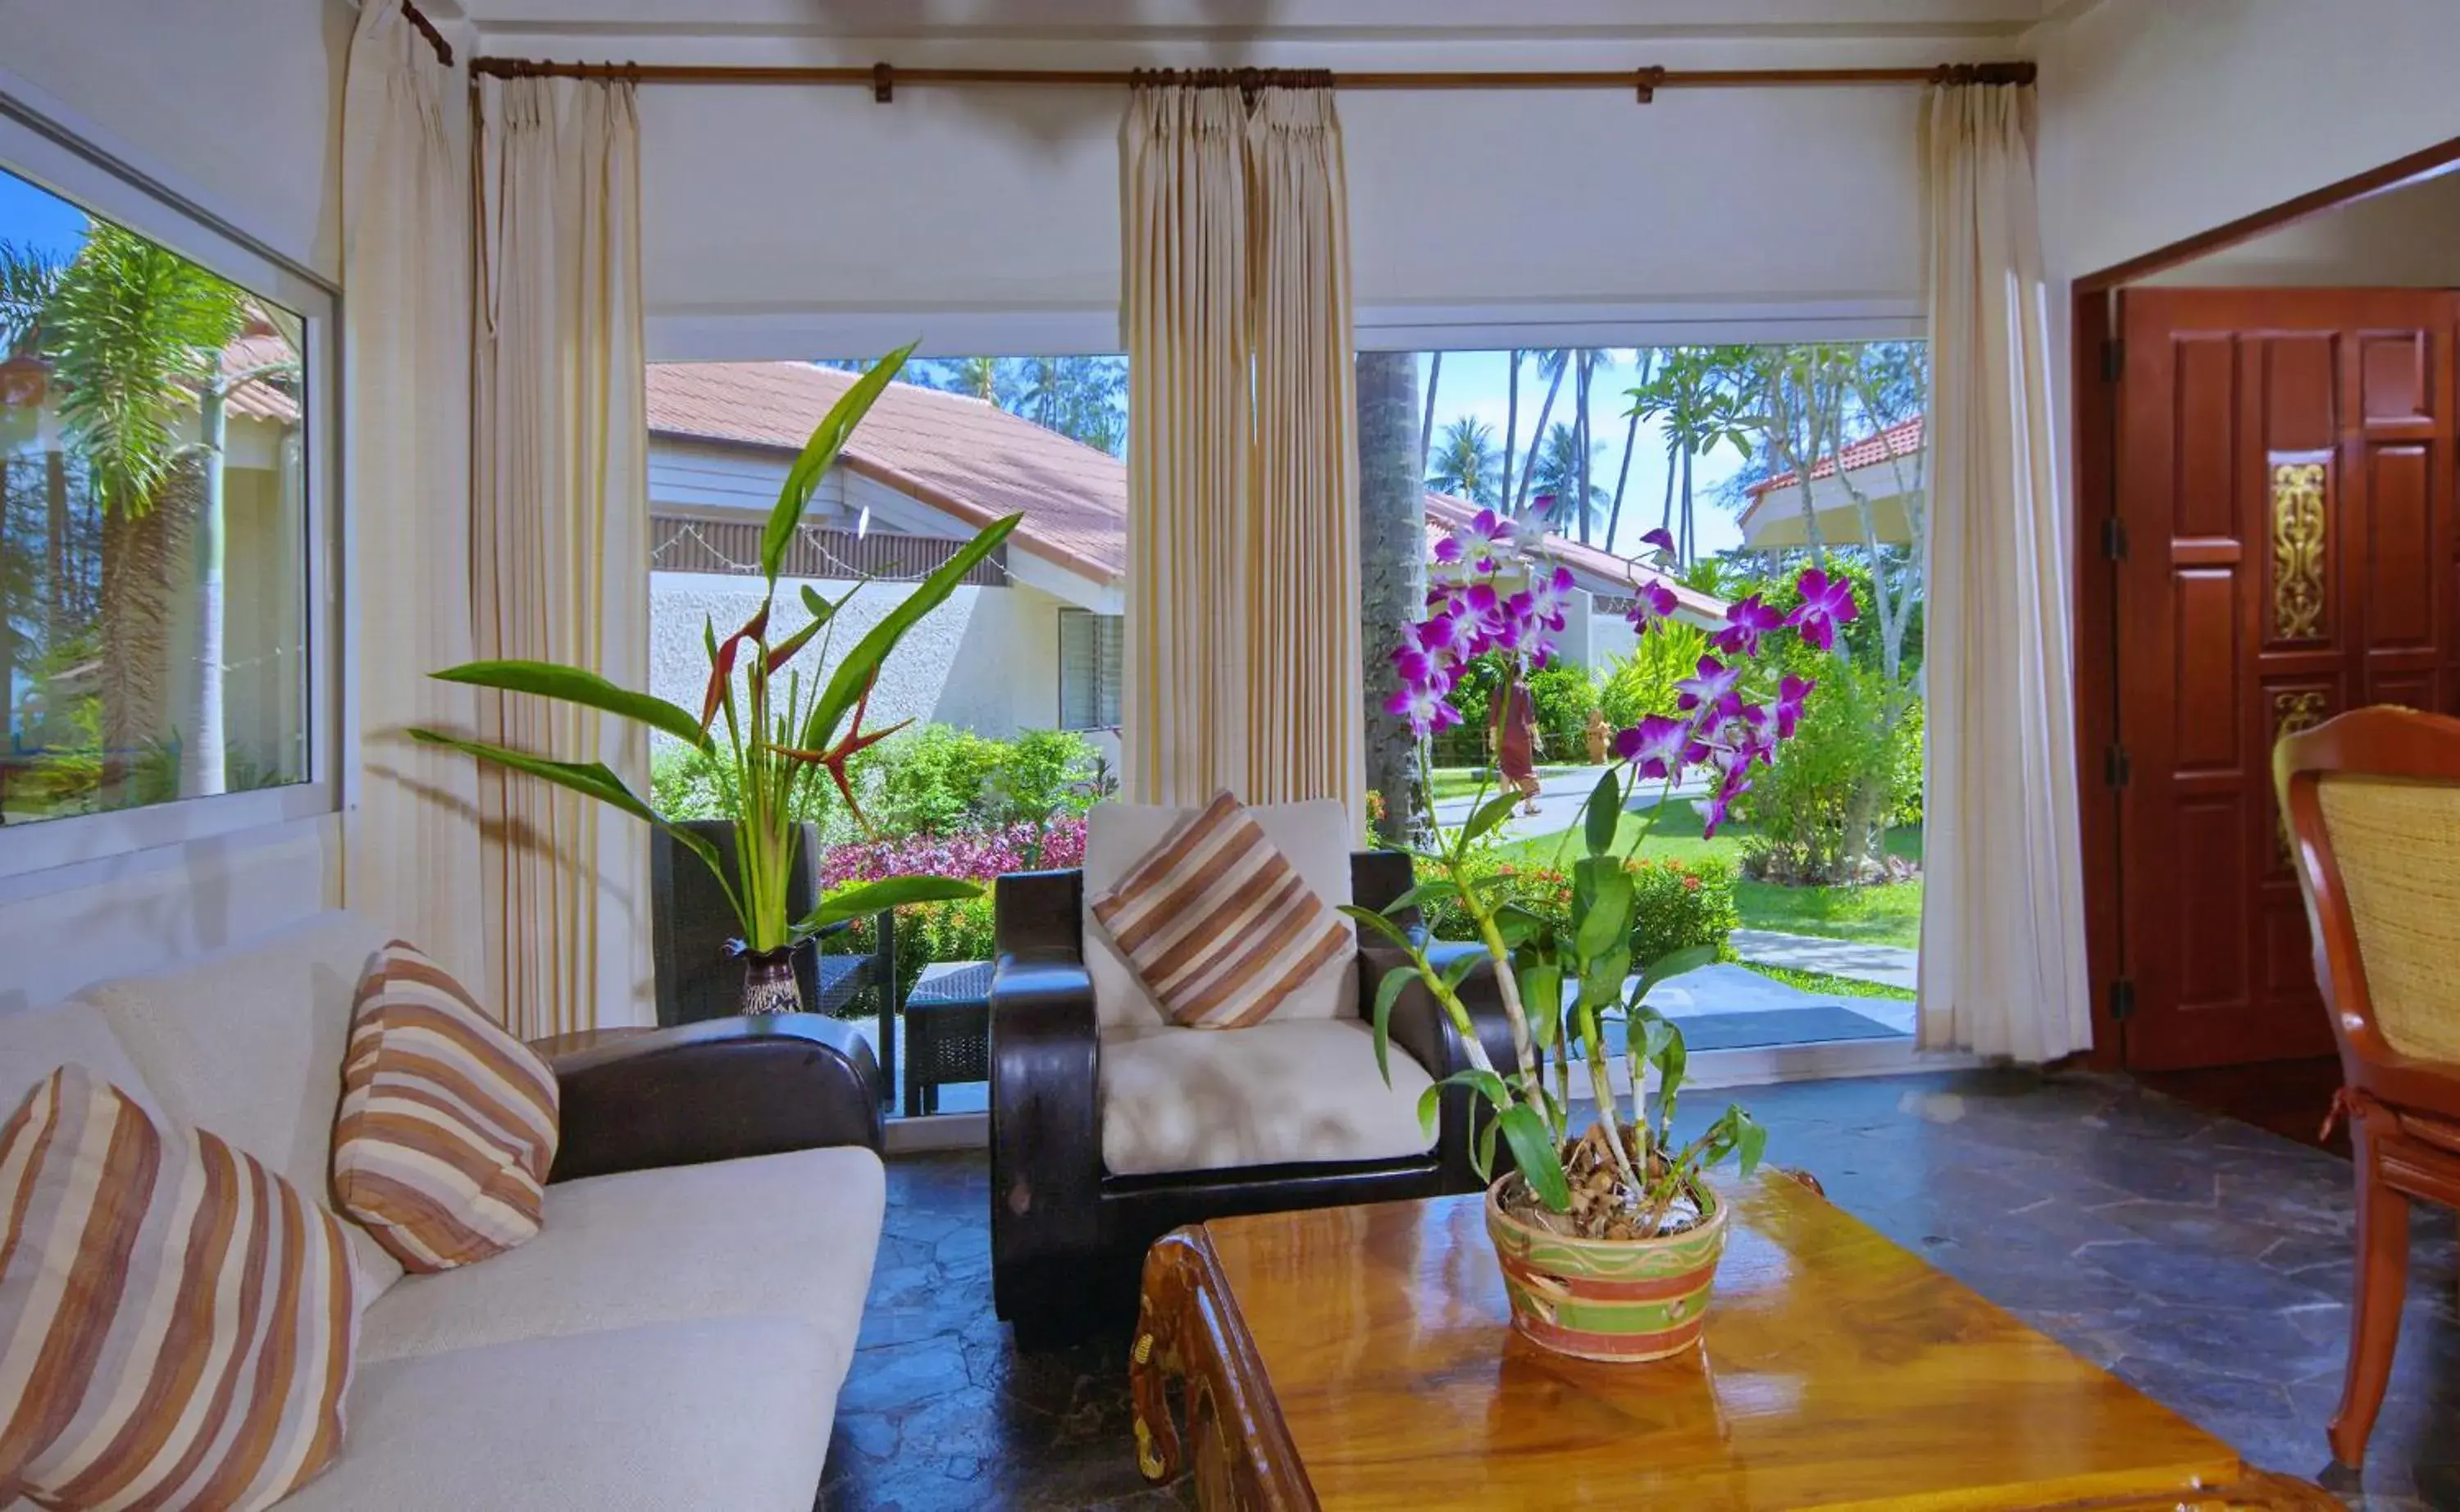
[{"x": 1355, "y": 1357}]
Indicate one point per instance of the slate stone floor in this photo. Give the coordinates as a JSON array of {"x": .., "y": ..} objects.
[{"x": 2203, "y": 1260}]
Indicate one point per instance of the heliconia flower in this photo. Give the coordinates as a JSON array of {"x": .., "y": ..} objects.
[
  {"x": 1657, "y": 745},
  {"x": 1826, "y": 603},
  {"x": 1650, "y": 603},
  {"x": 1713, "y": 681},
  {"x": 1789, "y": 696},
  {"x": 1747, "y": 621},
  {"x": 1662, "y": 539}
]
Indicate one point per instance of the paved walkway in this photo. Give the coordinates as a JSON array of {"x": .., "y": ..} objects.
[
  {"x": 1561, "y": 800},
  {"x": 1888, "y": 964}
]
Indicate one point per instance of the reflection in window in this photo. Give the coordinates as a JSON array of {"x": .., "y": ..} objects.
[{"x": 152, "y": 530}]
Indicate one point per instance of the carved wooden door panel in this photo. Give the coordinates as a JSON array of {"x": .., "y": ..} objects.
[{"x": 2284, "y": 482}]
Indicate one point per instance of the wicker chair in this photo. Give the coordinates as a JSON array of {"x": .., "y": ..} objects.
[{"x": 2372, "y": 801}]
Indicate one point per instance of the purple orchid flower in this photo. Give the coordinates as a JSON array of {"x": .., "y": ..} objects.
[
  {"x": 1491, "y": 528},
  {"x": 1550, "y": 595},
  {"x": 1657, "y": 745},
  {"x": 1452, "y": 635},
  {"x": 1448, "y": 551},
  {"x": 1422, "y": 706},
  {"x": 1737, "y": 782},
  {"x": 1662, "y": 539},
  {"x": 1483, "y": 609},
  {"x": 1789, "y": 696},
  {"x": 1650, "y": 603},
  {"x": 1713, "y": 681},
  {"x": 1747, "y": 621},
  {"x": 1826, "y": 603}
]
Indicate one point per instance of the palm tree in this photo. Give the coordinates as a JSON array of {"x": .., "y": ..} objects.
[
  {"x": 1702, "y": 411},
  {"x": 1392, "y": 576},
  {"x": 138, "y": 334},
  {"x": 28, "y": 282},
  {"x": 1427, "y": 423},
  {"x": 1551, "y": 363},
  {"x": 1556, "y": 470},
  {"x": 976, "y": 376},
  {"x": 1464, "y": 464},
  {"x": 1648, "y": 359}
]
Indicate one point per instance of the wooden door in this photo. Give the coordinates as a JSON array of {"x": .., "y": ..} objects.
[{"x": 2284, "y": 484}]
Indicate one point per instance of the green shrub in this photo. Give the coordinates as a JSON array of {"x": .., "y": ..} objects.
[
  {"x": 1562, "y": 696},
  {"x": 684, "y": 783},
  {"x": 925, "y": 933},
  {"x": 1682, "y": 903},
  {"x": 1643, "y": 683},
  {"x": 1815, "y": 813},
  {"x": 1908, "y": 746},
  {"x": 940, "y": 779}
]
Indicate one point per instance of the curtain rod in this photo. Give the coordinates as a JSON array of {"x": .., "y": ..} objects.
[
  {"x": 425, "y": 28},
  {"x": 883, "y": 78}
]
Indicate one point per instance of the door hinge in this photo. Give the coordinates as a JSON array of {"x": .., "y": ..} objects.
[
  {"x": 2113, "y": 539},
  {"x": 2113, "y": 358},
  {"x": 2122, "y": 999},
  {"x": 2118, "y": 768}
]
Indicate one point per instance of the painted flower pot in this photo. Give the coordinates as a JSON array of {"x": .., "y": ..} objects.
[{"x": 1609, "y": 1299}]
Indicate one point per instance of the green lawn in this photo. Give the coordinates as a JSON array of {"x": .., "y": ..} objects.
[
  {"x": 1827, "y": 986},
  {"x": 1884, "y": 914},
  {"x": 1460, "y": 781}
]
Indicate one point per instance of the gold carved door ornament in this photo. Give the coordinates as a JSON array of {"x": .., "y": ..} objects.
[{"x": 2297, "y": 550}]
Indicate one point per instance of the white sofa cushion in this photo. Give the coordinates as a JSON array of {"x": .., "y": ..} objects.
[
  {"x": 792, "y": 1233},
  {"x": 729, "y": 1413},
  {"x": 1315, "y": 836},
  {"x": 34, "y": 1044},
  {"x": 1282, "y": 1092},
  {"x": 247, "y": 1042}
]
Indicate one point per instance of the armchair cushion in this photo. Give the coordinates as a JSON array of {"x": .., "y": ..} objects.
[
  {"x": 1315, "y": 836},
  {"x": 1285, "y": 1091}
]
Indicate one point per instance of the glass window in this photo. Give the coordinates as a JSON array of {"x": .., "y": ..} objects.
[
  {"x": 1089, "y": 669},
  {"x": 154, "y": 532}
]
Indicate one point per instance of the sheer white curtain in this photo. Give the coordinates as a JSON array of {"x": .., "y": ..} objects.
[
  {"x": 560, "y": 566},
  {"x": 411, "y": 838},
  {"x": 1242, "y": 635},
  {"x": 2003, "y": 958}
]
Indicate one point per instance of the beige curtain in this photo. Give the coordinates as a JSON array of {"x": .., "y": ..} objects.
[
  {"x": 410, "y": 834},
  {"x": 1243, "y": 628},
  {"x": 2002, "y": 965},
  {"x": 561, "y": 538}
]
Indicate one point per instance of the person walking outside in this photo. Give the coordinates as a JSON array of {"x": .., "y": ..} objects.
[{"x": 1515, "y": 744}]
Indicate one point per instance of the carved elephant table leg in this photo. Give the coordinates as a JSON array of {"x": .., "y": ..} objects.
[{"x": 1189, "y": 1335}]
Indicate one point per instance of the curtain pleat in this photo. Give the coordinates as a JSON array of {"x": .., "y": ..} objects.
[
  {"x": 411, "y": 848},
  {"x": 560, "y": 559},
  {"x": 2003, "y": 967},
  {"x": 1242, "y": 538}
]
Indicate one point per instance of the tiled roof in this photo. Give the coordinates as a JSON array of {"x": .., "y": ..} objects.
[
  {"x": 1597, "y": 571},
  {"x": 977, "y": 462},
  {"x": 961, "y": 455},
  {"x": 256, "y": 400},
  {"x": 1900, "y": 439}
]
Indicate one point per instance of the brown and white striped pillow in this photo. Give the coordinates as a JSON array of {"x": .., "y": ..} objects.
[
  {"x": 448, "y": 1123},
  {"x": 1218, "y": 924},
  {"x": 177, "y": 1321}
]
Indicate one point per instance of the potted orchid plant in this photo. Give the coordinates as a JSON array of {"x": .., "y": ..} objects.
[
  {"x": 776, "y": 735},
  {"x": 1588, "y": 1213}
]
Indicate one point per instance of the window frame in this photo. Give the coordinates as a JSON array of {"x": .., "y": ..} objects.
[
  {"x": 1095, "y": 618},
  {"x": 33, "y": 855}
]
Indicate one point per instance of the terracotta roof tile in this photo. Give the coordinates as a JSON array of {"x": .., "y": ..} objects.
[
  {"x": 977, "y": 461},
  {"x": 256, "y": 400},
  {"x": 1900, "y": 439}
]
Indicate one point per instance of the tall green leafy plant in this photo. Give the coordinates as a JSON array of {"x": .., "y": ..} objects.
[{"x": 776, "y": 733}]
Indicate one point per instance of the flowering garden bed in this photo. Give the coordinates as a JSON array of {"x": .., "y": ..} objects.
[{"x": 943, "y": 931}]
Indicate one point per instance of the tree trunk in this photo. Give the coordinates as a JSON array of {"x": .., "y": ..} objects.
[
  {"x": 1427, "y": 426},
  {"x": 1537, "y": 439},
  {"x": 1511, "y": 430},
  {"x": 203, "y": 772},
  {"x": 1392, "y": 588},
  {"x": 56, "y": 568},
  {"x": 1623, "y": 479},
  {"x": 1581, "y": 437}
]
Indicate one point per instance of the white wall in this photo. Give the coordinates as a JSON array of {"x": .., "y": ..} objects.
[
  {"x": 2405, "y": 238},
  {"x": 799, "y": 221},
  {"x": 2162, "y": 118},
  {"x": 236, "y": 105}
]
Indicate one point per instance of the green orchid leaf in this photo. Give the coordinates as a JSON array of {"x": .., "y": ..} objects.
[
  {"x": 854, "y": 674},
  {"x": 1750, "y": 1142},
  {"x": 889, "y": 893},
  {"x": 821, "y": 450},
  {"x": 1532, "y": 1150},
  {"x": 1440, "y": 887},
  {"x": 1484, "y": 1160},
  {"x": 1388, "y": 991},
  {"x": 1384, "y": 927},
  {"x": 574, "y": 686},
  {"x": 1672, "y": 1061},
  {"x": 1431, "y": 1106},
  {"x": 1601, "y": 981},
  {"x": 1604, "y": 812},
  {"x": 1607, "y": 921},
  {"x": 1673, "y": 963},
  {"x": 1542, "y": 988},
  {"x": 1494, "y": 811}
]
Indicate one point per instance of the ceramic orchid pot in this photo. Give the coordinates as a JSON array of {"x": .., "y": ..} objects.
[
  {"x": 769, "y": 985},
  {"x": 1625, "y": 1300}
]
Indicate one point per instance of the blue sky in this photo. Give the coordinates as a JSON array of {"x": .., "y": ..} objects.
[
  {"x": 39, "y": 220},
  {"x": 1476, "y": 384}
]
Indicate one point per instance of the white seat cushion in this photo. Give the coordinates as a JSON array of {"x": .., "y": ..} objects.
[
  {"x": 728, "y": 1412},
  {"x": 793, "y": 1233},
  {"x": 1283, "y": 1092},
  {"x": 1315, "y": 836},
  {"x": 34, "y": 1044}
]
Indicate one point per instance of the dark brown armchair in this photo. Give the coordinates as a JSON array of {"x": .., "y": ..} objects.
[
  {"x": 1069, "y": 1229},
  {"x": 2372, "y": 801}
]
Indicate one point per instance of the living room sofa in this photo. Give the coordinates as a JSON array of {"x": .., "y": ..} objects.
[{"x": 675, "y": 1336}]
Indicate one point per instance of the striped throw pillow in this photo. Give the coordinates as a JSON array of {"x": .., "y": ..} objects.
[
  {"x": 177, "y": 1321},
  {"x": 448, "y": 1123},
  {"x": 1218, "y": 924}
]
